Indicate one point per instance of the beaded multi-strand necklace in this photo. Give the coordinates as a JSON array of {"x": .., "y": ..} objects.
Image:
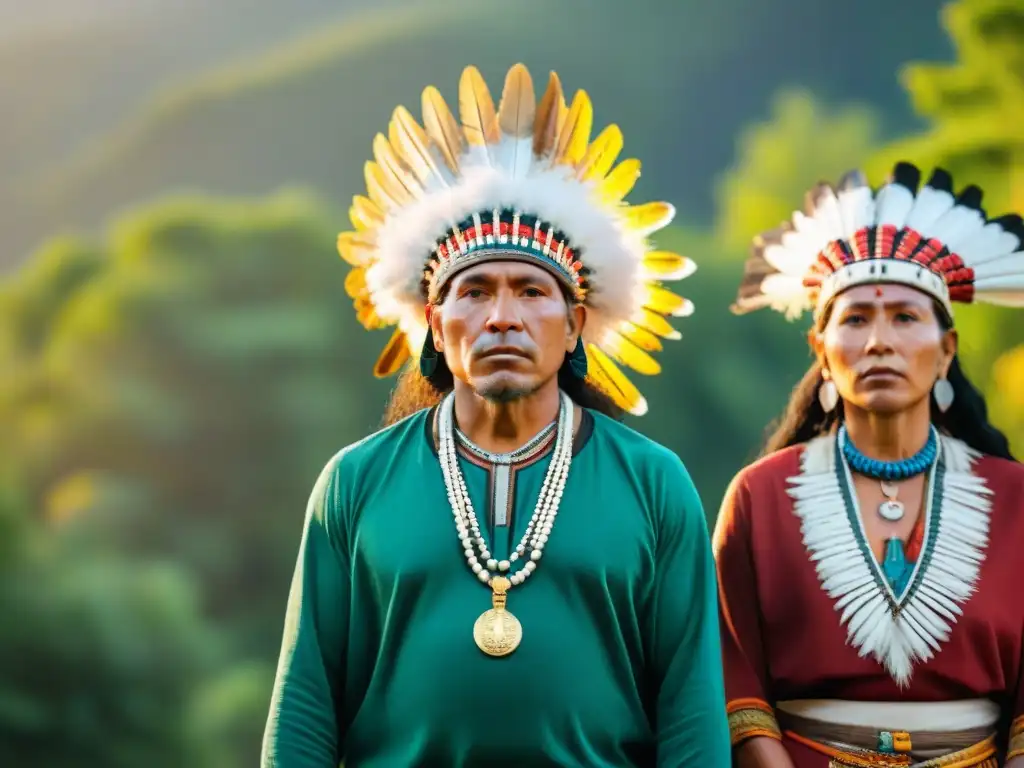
[{"x": 497, "y": 631}]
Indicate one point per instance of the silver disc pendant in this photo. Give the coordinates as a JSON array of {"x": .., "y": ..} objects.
[{"x": 891, "y": 510}]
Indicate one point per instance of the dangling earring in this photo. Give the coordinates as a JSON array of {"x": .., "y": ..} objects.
[
  {"x": 942, "y": 391},
  {"x": 828, "y": 395},
  {"x": 428, "y": 357},
  {"x": 578, "y": 360}
]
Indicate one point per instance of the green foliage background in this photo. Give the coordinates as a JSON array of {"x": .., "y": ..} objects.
[{"x": 170, "y": 388}]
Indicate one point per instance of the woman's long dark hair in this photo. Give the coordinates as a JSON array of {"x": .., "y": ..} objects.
[{"x": 966, "y": 419}]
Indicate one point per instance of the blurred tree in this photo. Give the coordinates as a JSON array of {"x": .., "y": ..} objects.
[
  {"x": 727, "y": 378},
  {"x": 975, "y": 113},
  {"x": 98, "y": 659},
  {"x": 230, "y": 712},
  {"x": 975, "y": 106},
  {"x": 175, "y": 391},
  {"x": 1006, "y": 399},
  {"x": 777, "y": 161}
]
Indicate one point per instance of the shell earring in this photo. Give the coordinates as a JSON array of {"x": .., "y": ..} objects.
[
  {"x": 942, "y": 391},
  {"x": 828, "y": 395}
]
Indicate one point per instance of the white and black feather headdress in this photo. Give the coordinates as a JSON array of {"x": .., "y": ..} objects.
[{"x": 934, "y": 240}]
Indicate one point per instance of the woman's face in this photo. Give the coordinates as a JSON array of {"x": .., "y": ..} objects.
[{"x": 884, "y": 347}]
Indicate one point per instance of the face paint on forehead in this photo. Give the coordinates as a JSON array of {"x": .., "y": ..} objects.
[{"x": 879, "y": 292}]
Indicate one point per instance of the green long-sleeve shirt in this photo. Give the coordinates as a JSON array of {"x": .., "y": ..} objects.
[{"x": 619, "y": 663}]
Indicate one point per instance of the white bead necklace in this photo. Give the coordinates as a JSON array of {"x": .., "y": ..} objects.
[
  {"x": 497, "y": 631},
  {"x": 502, "y": 466}
]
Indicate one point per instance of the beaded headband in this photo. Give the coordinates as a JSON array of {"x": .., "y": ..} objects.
[
  {"x": 931, "y": 240},
  {"x": 501, "y": 235},
  {"x": 523, "y": 181}
]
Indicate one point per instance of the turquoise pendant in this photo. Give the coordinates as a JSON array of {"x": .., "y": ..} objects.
[{"x": 895, "y": 566}]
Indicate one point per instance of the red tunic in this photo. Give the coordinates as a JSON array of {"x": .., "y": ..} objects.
[{"x": 781, "y": 634}]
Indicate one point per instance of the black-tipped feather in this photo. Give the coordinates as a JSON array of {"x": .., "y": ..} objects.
[
  {"x": 941, "y": 179},
  {"x": 970, "y": 197},
  {"x": 907, "y": 175},
  {"x": 1011, "y": 223}
]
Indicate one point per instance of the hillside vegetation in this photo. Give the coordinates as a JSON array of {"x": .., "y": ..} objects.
[
  {"x": 71, "y": 71},
  {"x": 681, "y": 78},
  {"x": 171, "y": 386}
]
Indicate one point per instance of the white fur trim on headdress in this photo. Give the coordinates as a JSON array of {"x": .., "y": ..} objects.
[{"x": 612, "y": 253}]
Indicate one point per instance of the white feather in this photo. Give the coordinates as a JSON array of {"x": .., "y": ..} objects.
[
  {"x": 929, "y": 206},
  {"x": 993, "y": 242},
  {"x": 892, "y": 205},
  {"x": 515, "y": 154},
  {"x": 828, "y": 215},
  {"x": 858, "y": 209},
  {"x": 1006, "y": 290},
  {"x": 785, "y": 293},
  {"x": 959, "y": 225},
  {"x": 850, "y": 575},
  {"x": 1006, "y": 266}
]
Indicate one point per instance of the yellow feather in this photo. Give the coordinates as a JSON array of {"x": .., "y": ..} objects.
[
  {"x": 518, "y": 103},
  {"x": 655, "y": 323},
  {"x": 620, "y": 181},
  {"x": 366, "y": 314},
  {"x": 393, "y": 357},
  {"x": 476, "y": 108},
  {"x": 649, "y": 217},
  {"x": 614, "y": 382},
  {"x": 382, "y": 190},
  {"x": 664, "y": 265},
  {"x": 357, "y": 248},
  {"x": 641, "y": 337},
  {"x": 355, "y": 282},
  {"x": 601, "y": 154},
  {"x": 625, "y": 352},
  {"x": 600, "y": 381},
  {"x": 413, "y": 146},
  {"x": 393, "y": 167},
  {"x": 574, "y": 136},
  {"x": 365, "y": 214},
  {"x": 546, "y": 124},
  {"x": 665, "y": 302},
  {"x": 442, "y": 127}
]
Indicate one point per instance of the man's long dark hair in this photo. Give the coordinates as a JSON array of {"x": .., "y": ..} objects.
[
  {"x": 966, "y": 419},
  {"x": 414, "y": 392}
]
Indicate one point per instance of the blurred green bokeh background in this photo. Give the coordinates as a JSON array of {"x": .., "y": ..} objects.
[{"x": 178, "y": 357}]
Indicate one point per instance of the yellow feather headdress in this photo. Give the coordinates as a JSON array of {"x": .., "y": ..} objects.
[{"x": 520, "y": 181}]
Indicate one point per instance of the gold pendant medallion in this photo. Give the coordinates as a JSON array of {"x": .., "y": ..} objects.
[{"x": 497, "y": 632}]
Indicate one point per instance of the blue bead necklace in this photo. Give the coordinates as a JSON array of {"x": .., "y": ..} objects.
[
  {"x": 888, "y": 472},
  {"x": 895, "y": 565}
]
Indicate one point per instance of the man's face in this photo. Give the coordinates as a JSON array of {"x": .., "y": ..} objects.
[{"x": 505, "y": 328}]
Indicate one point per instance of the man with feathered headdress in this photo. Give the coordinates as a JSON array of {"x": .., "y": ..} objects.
[{"x": 424, "y": 626}]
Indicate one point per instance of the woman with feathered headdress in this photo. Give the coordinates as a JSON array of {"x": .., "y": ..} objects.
[{"x": 870, "y": 608}]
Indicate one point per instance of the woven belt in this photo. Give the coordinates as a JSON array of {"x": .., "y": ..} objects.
[{"x": 923, "y": 745}]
